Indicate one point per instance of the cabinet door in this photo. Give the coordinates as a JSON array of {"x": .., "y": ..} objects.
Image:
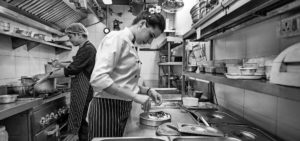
[{"x": 49, "y": 134}]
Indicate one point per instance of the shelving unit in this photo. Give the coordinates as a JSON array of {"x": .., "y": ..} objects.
[
  {"x": 239, "y": 14},
  {"x": 168, "y": 42},
  {"x": 262, "y": 86},
  {"x": 20, "y": 40}
]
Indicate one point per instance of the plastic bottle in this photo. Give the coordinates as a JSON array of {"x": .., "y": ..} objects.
[{"x": 3, "y": 134}]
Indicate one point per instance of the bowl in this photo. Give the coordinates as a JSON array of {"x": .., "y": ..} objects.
[
  {"x": 8, "y": 98},
  {"x": 248, "y": 71},
  {"x": 190, "y": 101}
]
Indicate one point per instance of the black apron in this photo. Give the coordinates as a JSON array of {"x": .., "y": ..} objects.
[
  {"x": 108, "y": 117},
  {"x": 79, "y": 101}
]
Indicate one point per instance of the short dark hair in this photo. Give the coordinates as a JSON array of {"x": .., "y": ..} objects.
[{"x": 153, "y": 20}]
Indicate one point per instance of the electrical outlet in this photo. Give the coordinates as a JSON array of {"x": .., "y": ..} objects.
[{"x": 290, "y": 26}]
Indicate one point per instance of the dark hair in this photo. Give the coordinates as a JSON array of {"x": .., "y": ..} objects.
[
  {"x": 153, "y": 20},
  {"x": 83, "y": 35}
]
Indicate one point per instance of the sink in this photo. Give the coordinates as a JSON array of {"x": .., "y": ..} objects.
[
  {"x": 132, "y": 139},
  {"x": 202, "y": 138}
]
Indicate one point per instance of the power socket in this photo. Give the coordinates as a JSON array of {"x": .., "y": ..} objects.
[{"x": 290, "y": 26}]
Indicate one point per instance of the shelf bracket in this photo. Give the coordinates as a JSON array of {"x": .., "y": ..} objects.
[
  {"x": 17, "y": 42},
  {"x": 59, "y": 50},
  {"x": 31, "y": 45}
]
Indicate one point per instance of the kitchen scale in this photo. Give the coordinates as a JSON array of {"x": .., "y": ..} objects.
[{"x": 286, "y": 67}]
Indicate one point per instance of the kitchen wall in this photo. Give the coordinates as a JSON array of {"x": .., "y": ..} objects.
[
  {"x": 15, "y": 63},
  {"x": 277, "y": 115}
]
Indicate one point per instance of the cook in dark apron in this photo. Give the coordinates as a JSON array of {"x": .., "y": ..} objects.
[{"x": 81, "y": 90}]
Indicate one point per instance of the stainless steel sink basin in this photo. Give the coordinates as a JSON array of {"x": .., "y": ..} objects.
[
  {"x": 132, "y": 139},
  {"x": 202, "y": 138}
]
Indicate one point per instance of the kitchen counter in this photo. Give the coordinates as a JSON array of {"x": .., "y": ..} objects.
[
  {"x": 135, "y": 129},
  {"x": 21, "y": 105}
]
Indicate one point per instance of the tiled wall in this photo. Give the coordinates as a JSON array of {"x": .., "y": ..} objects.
[
  {"x": 277, "y": 115},
  {"x": 15, "y": 63}
]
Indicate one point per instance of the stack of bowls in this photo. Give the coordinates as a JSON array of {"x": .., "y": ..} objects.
[{"x": 198, "y": 11}]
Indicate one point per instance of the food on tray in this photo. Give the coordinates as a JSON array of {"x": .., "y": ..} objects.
[{"x": 160, "y": 115}]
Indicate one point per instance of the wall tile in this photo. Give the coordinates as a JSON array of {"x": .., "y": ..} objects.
[
  {"x": 35, "y": 66},
  {"x": 236, "y": 44},
  {"x": 262, "y": 39},
  {"x": 261, "y": 110},
  {"x": 44, "y": 51},
  {"x": 22, "y": 66},
  {"x": 220, "y": 49},
  {"x": 288, "y": 119},
  {"x": 21, "y": 51},
  {"x": 35, "y": 52},
  {"x": 7, "y": 67},
  {"x": 233, "y": 98}
]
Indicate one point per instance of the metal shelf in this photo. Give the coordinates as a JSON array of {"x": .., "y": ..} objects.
[
  {"x": 235, "y": 13},
  {"x": 19, "y": 40},
  {"x": 170, "y": 64},
  {"x": 261, "y": 86}
]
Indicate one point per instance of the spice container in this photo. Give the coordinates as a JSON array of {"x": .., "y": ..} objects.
[{"x": 3, "y": 134}]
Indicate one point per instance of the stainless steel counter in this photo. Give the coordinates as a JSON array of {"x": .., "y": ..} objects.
[
  {"x": 21, "y": 105},
  {"x": 135, "y": 129}
]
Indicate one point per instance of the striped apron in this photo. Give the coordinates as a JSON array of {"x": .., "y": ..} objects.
[
  {"x": 81, "y": 93},
  {"x": 108, "y": 117}
]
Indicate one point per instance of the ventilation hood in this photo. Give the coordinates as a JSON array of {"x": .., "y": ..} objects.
[{"x": 57, "y": 14}]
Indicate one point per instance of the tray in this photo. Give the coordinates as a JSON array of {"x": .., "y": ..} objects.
[
  {"x": 145, "y": 120},
  {"x": 239, "y": 76},
  {"x": 199, "y": 129},
  {"x": 203, "y": 106}
]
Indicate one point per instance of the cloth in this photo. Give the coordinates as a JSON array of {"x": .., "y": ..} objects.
[
  {"x": 108, "y": 117},
  {"x": 117, "y": 62},
  {"x": 83, "y": 61}
]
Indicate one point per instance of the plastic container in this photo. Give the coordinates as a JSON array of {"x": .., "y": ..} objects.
[
  {"x": 190, "y": 101},
  {"x": 3, "y": 134}
]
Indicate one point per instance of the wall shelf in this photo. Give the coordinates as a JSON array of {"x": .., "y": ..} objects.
[
  {"x": 261, "y": 86},
  {"x": 170, "y": 64},
  {"x": 20, "y": 40},
  {"x": 236, "y": 13}
]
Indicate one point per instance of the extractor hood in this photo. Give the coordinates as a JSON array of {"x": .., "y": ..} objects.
[{"x": 54, "y": 13}]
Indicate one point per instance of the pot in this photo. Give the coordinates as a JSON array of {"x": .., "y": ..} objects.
[{"x": 8, "y": 98}]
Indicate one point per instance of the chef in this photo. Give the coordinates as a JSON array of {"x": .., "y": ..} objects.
[
  {"x": 116, "y": 74},
  {"x": 81, "y": 90}
]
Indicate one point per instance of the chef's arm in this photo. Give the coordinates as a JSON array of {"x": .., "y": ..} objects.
[
  {"x": 124, "y": 93},
  {"x": 155, "y": 96},
  {"x": 57, "y": 73}
]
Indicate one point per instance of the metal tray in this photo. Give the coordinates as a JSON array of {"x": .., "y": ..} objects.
[{"x": 144, "y": 119}]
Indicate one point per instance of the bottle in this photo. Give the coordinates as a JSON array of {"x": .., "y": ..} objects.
[{"x": 3, "y": 134}]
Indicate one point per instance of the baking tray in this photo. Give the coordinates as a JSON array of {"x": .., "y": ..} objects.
[{"x": 199, "y": 129}]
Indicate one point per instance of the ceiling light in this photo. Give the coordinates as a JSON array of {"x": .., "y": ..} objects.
[{"x": 107, "y": 2}]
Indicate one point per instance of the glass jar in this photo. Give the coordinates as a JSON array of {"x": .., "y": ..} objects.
[{"x": 3, "y": 134}]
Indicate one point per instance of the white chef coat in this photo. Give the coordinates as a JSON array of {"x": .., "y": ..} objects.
[{"x": 117, "y": 62}]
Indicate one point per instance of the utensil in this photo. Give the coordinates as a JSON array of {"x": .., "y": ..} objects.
[{"x": 8, "y": 98}]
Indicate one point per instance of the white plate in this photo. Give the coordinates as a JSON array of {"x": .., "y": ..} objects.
[{"x": 239, "y": 76}]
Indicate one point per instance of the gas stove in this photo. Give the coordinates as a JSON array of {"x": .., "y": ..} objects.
[{"x": 244, "y": 132}]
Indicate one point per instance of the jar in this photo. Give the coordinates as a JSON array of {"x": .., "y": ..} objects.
[{"x": 3, "y": 134}]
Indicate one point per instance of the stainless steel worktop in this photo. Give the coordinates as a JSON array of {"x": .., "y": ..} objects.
[
  {"x": 21, "y": 105},
  {"x": 135, "y": 129}
]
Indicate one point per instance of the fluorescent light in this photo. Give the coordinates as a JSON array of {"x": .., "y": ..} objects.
[{"x": 107, "y": 2}]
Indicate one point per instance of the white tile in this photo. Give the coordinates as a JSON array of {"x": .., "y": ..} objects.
[
  {"x": 262, "y": 39},
  {"x": 288, "y": 119},
  {"x": 220, "y": 51},
  {"x": 34, "y": 52},
  {"x": 35, "y": 67},
  {"x": 21, "y": 51},
  {"x": 233, "y": 98},
  {"x": 22, "y": 66},
  {"x": 261, "y": 109},
  {"x": 7, "y": 67},
  {"x": 43, "y": 51},
  {"x": 236, "y": 45}
]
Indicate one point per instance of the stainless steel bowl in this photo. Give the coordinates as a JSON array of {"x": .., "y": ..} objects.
[
  {"x": 191, "y": 68},
  {"x": 144, "y": 119},
  {"x": 8, "y": 98}
]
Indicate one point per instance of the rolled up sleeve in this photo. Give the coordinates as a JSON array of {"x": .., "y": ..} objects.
[{"x": 106, "y": 59}]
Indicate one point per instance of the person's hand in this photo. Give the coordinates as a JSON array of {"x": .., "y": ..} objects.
[
  {"x": 155, "y": 96},
  {"x": 55, "y": 63},
  {"x": 144, "y": 100},
  {"x": 71, "y": 137}
]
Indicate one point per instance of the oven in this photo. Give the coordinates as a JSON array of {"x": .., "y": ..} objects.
[{"x": 49, "y": 119}]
